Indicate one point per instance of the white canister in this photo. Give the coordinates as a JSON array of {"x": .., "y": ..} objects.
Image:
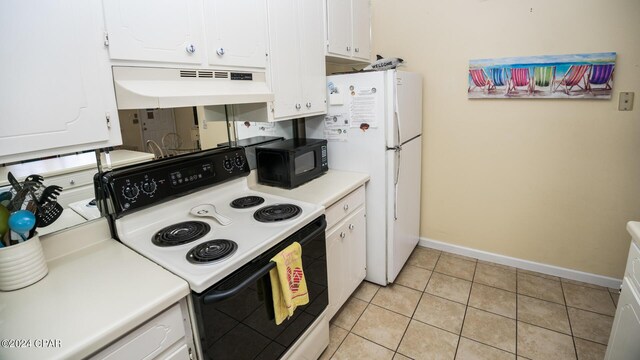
[{"x": 22, "y": 264}]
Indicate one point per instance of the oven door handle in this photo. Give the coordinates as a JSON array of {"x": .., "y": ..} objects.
[{"x": 216, "y": 296}]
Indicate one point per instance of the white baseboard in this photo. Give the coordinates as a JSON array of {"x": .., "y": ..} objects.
[{"x": 523, "y": 264}]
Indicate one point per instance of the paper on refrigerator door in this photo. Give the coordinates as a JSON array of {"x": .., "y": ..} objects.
[
  {"x": 362, "y": 109},
  {"x": 336, "y": 127}
]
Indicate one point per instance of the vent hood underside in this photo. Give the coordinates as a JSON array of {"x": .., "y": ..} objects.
[{"x": 151, "y": 88}]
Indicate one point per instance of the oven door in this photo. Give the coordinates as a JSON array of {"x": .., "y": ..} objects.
[{"x": 235, "y": 317}]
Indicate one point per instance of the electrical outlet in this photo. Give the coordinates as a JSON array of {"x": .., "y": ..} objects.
[{"x": 626, "y": 101}]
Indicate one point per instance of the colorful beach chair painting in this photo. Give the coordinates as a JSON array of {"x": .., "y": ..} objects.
[{"x": 587, "y": 76}]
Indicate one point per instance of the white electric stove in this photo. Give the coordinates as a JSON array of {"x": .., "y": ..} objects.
[{"x": 163, "y": 209}]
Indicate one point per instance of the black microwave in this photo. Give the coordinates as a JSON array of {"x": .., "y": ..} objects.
[{"x": 291, "y": 163}]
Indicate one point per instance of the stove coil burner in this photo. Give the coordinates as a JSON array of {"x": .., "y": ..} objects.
[
  {"x": 278, "y": 212},
  {"x": 211, "y": 251},
  {"x": 246, "y": 202},
  {"x": 181, "y": 233}
]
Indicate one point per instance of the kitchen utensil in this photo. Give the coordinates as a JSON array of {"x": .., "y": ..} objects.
[
  {"x": 4, "y": 220},
  {"x": 18, "y": 199},
  {"x": 22, "y": 221},
  {"x": 14, "y": 182},
  {"x": 50, "y": 209},
  {"x": 208, "y": 210}
]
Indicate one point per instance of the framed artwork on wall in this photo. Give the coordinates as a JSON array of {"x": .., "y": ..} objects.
[{"x": 577, "y": 76}]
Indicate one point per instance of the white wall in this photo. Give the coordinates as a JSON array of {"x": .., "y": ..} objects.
[{"x": 552, "y": 181}]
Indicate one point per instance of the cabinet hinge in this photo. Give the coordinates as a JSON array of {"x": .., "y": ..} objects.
[
  {"x": 190, "y": 354},
  {"x": 105, "y": 36},
  {"x": 108, "y": 117}
]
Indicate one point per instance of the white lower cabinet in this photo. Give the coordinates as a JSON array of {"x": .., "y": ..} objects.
[
  {"x": 346, "y": 249},
  {"x": 624, "y": 342},
  {"x": 166, "y": 336}
]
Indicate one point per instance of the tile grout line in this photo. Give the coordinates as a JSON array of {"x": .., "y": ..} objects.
[
  {"x": 414, "y": 310},
  {"x": 464, "y": 317},
  {"x": 573, "y": 339}
]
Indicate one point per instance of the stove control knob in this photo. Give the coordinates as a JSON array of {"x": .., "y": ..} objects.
[
  {"x": 149, "y": 187},
  {"x": 239, "y": 161},
  {"x": 130, "y": 192},
  {"x": 227, "y": 164}
]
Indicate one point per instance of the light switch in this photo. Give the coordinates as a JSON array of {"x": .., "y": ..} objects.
[{"x": 626, "y": 101}]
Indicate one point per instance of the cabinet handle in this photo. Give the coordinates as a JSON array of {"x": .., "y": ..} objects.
[
  {"x": 357, "y": 50},
  {"x": 191, "y": 48},
  {"x": 346, "y": 207},
  {"x": 309, "y": 105},
  {"x": 342, "y": 235},
  {"x": 348, "y": 48},
  {"x": 220, "y": 51},
  {"x": 298, "y": 106},
  {"x": 72, "y": 182},
  {"x": 351, "y": 226}
]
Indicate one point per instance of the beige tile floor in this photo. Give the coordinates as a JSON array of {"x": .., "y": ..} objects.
[{"x": 445, "y": 306}]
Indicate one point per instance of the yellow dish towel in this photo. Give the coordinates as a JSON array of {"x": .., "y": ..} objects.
[{"x": 288, "y": 285}]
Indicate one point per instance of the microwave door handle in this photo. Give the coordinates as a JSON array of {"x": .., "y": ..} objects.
[{"x": 216, "y": 296}]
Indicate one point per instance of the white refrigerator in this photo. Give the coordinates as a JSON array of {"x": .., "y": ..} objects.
[{"x": 374, "y": 125}]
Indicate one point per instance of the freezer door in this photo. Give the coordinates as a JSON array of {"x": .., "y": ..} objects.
[
  {"x": 405, "y": 106},
  {"x": 403, "y": 204}
]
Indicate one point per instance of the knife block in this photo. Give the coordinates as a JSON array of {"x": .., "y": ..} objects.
[{"x": 22, "y": 264}]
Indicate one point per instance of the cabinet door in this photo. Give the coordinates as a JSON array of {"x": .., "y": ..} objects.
[
  {"x": 623, "y": 343},
  {"x": 57, "y": 89},
  {"x": 355, "y": 245},
  {"x": 336, "y": 264},
  {"x": 312, "y": 61},
  {"x": 236, "y": 32},
  {"x": 152, "y": 30},
  {"x": 339, "y": 25},
  {"x": 361, "y": 29},
  {"x": 284, "y": 57}
]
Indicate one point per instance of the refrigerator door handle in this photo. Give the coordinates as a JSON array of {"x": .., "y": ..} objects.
[
  {"x": 395, "y": 183},
  {"x": 397, "y": 120}
]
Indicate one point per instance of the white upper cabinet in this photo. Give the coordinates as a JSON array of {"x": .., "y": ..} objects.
[
  {"x": 236, "y": 32},
  {"x": 57, "y": 93},
  {"x": 216, "y": 33},
  {"x": 361, "y": 29},
  {"x": 339, "y": 27},
  {"x": 152, "y": 30},
  {"x": 296, "y": 58},
  {"x": 348, "y": 29}
]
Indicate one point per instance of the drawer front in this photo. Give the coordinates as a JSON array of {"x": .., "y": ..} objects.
[
  {"x": 633, "y": 266},
  {"x": 344, "y": 206},
  {"x": 150, "y": 339},
  {"x": 71, "y": 180}
]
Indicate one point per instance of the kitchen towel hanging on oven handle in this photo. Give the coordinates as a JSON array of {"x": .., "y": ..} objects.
[{"x": 288, "y": 284}]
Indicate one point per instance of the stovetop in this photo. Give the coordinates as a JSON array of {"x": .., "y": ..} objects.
[{"x": 252, "y": 237}]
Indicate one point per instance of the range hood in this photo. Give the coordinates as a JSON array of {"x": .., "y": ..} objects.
[{"x": 151, "y": 88}]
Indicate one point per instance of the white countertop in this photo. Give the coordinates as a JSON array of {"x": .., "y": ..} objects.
[
  {"x": 634, "y": 229},
  {"x": 71, "y": 163},
  {"x": 325, "y": 190},
  {"x": 96, "y": 291}
]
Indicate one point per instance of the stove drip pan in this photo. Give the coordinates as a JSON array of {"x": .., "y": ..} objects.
[
  {"x": 278, "y": 212},
  {"x": 211, "y": 251},
  {"x": 181, "y": 233},
  {"x": 246, "y": 202}
]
